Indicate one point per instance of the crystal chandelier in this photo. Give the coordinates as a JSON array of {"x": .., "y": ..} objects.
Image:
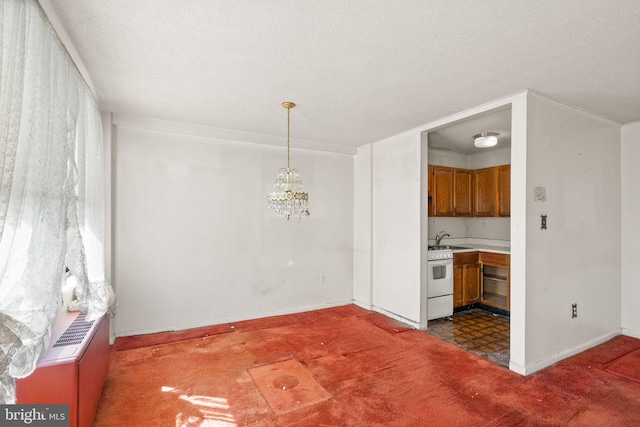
[{"x": 288, "y": 199}]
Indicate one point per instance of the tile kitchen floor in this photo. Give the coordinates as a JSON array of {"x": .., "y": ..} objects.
[{"x": 478, "y": 331}]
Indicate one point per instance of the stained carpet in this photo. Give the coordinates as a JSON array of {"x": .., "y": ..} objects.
[
  {"x": 287, "y": 386},
  {"x": 375, "y": 371},
  {"x": 627, "y": 366}
]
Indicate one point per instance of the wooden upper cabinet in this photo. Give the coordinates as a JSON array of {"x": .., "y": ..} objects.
[
  {"x": 442, "y": 198},
  {"x": 484, "y": 189},
  {"x": 504, "y": 190},
  {"x": 462, "y": 194},
  {"x": 431, "y": 191},
  {"x": 430, "y": 173}
]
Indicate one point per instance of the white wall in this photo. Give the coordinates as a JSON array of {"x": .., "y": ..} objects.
[
  {"x": 471, "y": 228},
  {"x": 631, "y": 229},
  {"x": 107, "y": 127},
  {"x": 400, "y": 226},
  {"x": 518, "y": 234},
  {"x": 194, "y": 243},
  {"x": 490, "y": 158},
  {"x": 457, "y": 228},
  {"x": 576, "y": 156},
  {"x": 490, "y": 229},
  {"x": 362, "y": 294},
  {"x": 396, "y": 240},
  {"x": 448, "y": 158},
  {"x": 478, "y": 160}
]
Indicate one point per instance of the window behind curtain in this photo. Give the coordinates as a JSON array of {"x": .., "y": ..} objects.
[{"x": 51, "y": 193}]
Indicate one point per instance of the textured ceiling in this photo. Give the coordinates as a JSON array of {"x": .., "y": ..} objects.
[
  {"x": 359, "y": 70},
  {"x": 458, "y": 136}
]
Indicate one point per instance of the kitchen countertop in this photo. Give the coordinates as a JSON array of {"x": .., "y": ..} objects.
[
  {"x": 480, "y": 247},
  {"x": 484, "y": 248}
]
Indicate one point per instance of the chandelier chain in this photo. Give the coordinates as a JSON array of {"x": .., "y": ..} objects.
[{"x": 288, "y": 135}]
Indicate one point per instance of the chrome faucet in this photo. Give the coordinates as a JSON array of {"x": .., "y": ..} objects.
[{"x": 440, "y": 236}]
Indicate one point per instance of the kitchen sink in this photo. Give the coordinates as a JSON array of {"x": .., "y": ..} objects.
[{"x": 441, "y": 247}]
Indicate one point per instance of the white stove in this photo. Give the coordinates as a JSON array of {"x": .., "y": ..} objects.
[
  {"x": 439, "y": 283},
  {"x": 437, "y": 254}
]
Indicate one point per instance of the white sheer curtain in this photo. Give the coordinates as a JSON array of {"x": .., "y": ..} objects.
[{"x": 51, "y": 193}]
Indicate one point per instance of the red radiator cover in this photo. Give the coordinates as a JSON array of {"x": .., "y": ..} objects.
[{"x": 71, "y": 372}]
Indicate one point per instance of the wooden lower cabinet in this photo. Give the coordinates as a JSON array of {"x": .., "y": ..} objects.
[
  {"x": 481, "y": 277},
  {"x": 466, "y": 279},
  {"x": 495, "y": 284},
  {"x": 472, "y": 283}
]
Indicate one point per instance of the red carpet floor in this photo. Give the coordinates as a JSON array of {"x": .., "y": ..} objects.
[
  {"x": 349, "y": 367},
  {"x": 627, "y": 366},
  {"x": 287, "y": 386}
]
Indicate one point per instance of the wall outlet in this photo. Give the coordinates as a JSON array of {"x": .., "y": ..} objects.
[{"x": 574, "y": 310}]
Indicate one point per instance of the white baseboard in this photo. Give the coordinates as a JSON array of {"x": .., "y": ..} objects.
[
  {"x": 224, "y": 320},
  {"x": 412, "y": 323},
  {"x": 541, "y": 364},
  {"x": 363, "y": 305},
  {"x": 631, "y": 333},
  {"x": 517, "y": 368}
]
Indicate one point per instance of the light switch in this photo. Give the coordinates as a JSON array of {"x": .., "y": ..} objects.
[{"x": 540, "y": 194}]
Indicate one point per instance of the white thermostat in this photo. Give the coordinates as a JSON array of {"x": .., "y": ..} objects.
[{"x": 540, "y": 194}]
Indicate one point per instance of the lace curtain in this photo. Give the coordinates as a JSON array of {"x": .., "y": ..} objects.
[{"x": 51, "y": 193}]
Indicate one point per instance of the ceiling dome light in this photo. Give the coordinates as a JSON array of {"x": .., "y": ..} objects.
[{"x": 485, "y": 139}]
